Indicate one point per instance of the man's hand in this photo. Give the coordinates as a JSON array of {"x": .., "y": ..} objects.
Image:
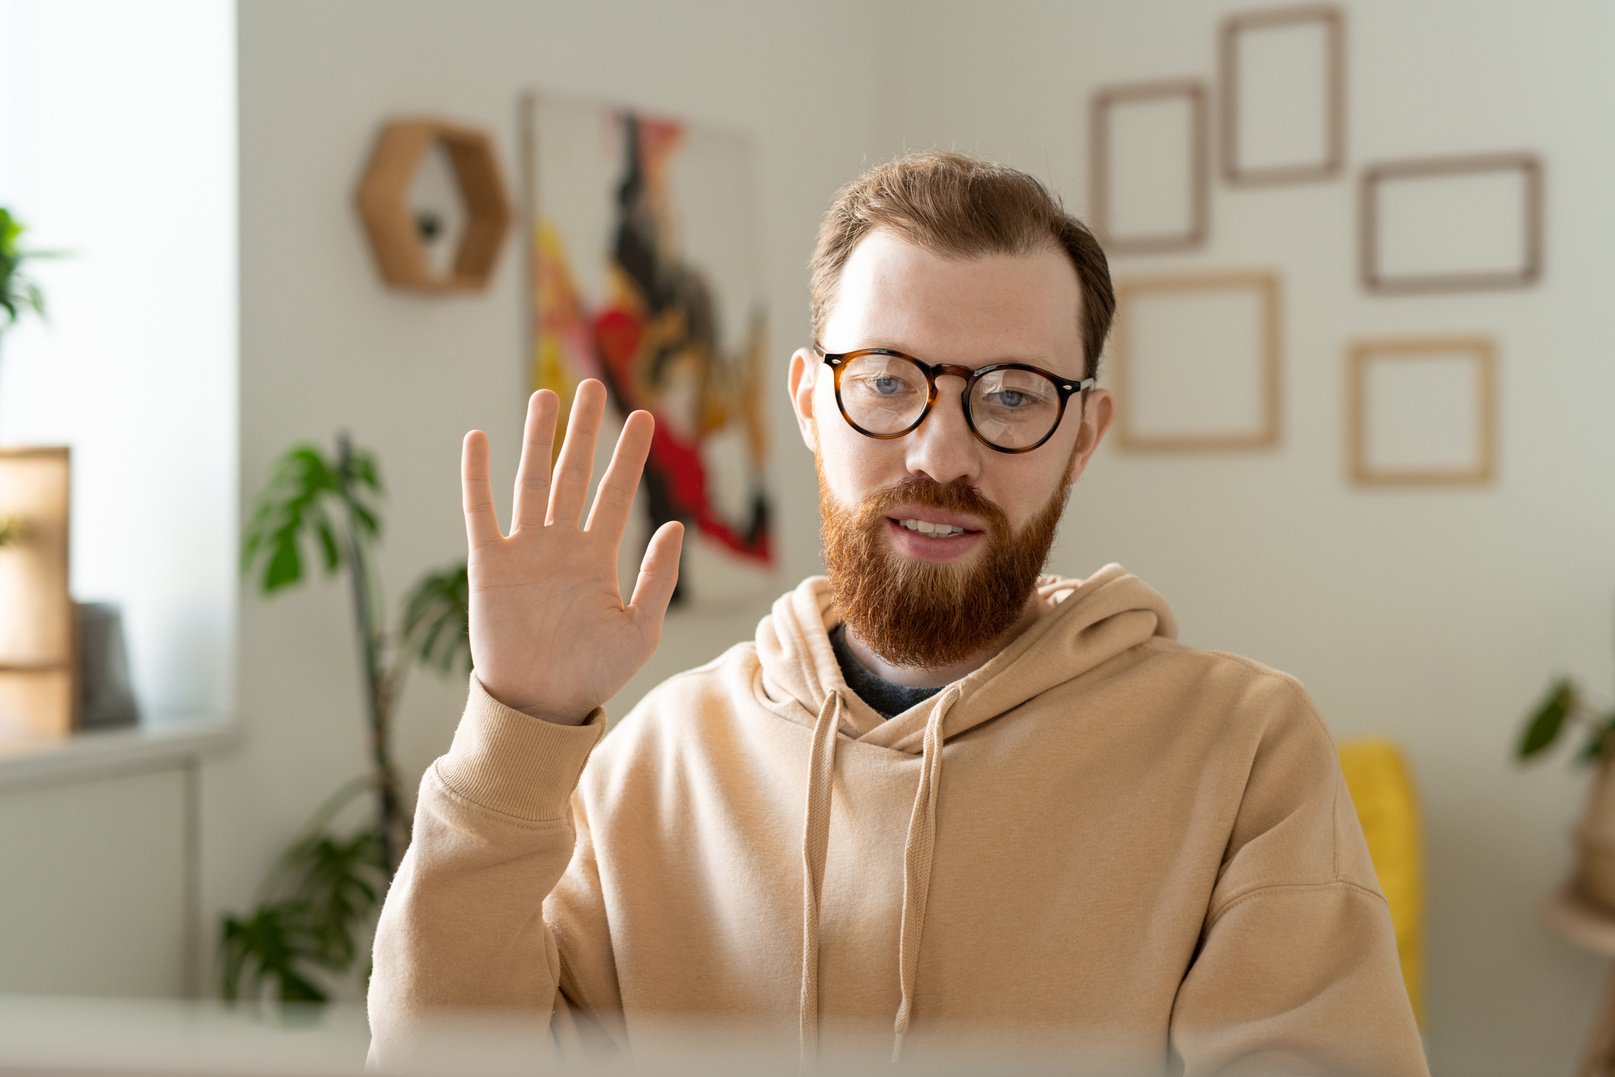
[{"x": 549, "y": 632}]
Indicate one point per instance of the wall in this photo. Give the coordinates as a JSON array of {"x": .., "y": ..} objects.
[
  {"x": 1435, "y": 617},
  {"x": 325, "y": 346}
]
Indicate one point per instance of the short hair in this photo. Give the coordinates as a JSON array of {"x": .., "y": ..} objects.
[{"x": 959, "y": 206}]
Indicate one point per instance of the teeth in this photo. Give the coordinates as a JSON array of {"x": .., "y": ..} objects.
[{"x": 931, "y": 529}]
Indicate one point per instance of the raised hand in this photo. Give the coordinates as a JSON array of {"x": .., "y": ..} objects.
[{"x": 550, "y": 634}]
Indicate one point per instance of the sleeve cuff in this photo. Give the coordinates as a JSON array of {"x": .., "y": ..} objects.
[{"x": 513, "y": 763}]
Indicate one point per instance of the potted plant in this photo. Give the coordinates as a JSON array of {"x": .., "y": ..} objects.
[
  {"x": 319, "y": 900},
  {"x": 1565, "y": 706}
]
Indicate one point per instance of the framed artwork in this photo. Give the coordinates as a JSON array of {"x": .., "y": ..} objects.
[
  {"x": 1283, "y": 95},
  {"x": 38, "y": 646},
  {"x": 1448, "y": 224},
  {"x": 1196, "y": 362},
  {"x": 1422, "y": 411},
  {"x": 647, "y": 273},
  {"x": 1149, "y": 188}
]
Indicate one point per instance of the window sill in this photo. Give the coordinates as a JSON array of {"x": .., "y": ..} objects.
[{"x": 171, "y": 741}]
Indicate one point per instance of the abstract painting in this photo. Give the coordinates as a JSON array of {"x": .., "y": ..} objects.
[{"x": 647, "y": 272}]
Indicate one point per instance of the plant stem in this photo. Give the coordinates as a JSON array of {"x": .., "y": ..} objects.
[{"x": 379, "y": 699}]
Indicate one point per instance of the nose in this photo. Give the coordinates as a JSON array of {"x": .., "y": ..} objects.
[{"x": 943, "y": 448}]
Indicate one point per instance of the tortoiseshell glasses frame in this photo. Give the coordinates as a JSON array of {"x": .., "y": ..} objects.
[{"x": 1065, "y": 388}]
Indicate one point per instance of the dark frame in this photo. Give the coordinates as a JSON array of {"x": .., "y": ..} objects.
[
  {"x": 1375, "y": 280},
  {"x": 1335, "y": 115}
]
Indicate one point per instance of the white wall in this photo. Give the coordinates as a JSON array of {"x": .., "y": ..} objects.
[
  {"x": 1435, "y": 617},
  {"x": 127, "y": 162},
  {"x": 325, "y": 346}
]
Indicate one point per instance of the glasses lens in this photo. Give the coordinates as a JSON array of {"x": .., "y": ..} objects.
[
  {"x": 882, "y": 394},
  {"x": 1014, "y": 409}
]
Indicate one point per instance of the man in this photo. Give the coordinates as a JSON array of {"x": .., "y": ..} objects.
[{"x": 938, "y": 795}]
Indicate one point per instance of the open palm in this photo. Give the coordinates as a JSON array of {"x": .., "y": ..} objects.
[{"x": 550, "y": 633}]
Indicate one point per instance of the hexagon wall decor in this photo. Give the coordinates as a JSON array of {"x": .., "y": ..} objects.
[{"x": 395, "y": 236}]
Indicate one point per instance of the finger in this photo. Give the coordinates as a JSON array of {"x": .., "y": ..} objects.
[
  {"x": 476, "y": 492},
  {"x": 657, "y": 575},
  {"x": 576, "y": 463},
  {"x": 533, "y": 472},
  {"x": 615, "y": 498}
]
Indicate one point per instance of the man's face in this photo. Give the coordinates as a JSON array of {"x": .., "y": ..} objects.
[{"x": 975, "y": 312}]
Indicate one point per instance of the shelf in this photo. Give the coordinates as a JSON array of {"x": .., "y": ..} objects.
[{"x": 173, "y": 740}]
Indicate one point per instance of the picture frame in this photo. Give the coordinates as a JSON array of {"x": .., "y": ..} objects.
[
  {"x": 1261, "y": 291},
  {"x": 1233, "y": 78},
  {"x": 1122, "y": 237}
]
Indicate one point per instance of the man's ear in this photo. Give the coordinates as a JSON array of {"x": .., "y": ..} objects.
[
  {"x": 1097, "y": 415},
  {"x": 804, "y": 373}
]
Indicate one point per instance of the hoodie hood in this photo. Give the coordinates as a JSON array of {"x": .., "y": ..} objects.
[{"x": 1085, "y": 624}]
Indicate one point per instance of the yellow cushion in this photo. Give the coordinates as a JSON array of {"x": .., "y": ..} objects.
[{"x": 1382, "y": 789}]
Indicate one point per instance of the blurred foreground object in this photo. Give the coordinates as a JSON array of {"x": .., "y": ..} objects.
[{"x": 61, "y": 1036}]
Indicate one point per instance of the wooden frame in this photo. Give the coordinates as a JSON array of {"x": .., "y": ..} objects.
[
  {"x": 1373, "y": 176},
  {"x": 1266, "y": 286},
  {"x": 1334, "y": 112},
  {"x": 1194, "y": 94},
  {"x": 383, "y": 200},
  {"x": 38, "y": 643},
  {"x": 1484, "y": 350}
]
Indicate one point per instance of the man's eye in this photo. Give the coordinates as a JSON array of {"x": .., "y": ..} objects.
[
  {"x": 1010, "y": 398},
  {"x": 885, "y": 385}
]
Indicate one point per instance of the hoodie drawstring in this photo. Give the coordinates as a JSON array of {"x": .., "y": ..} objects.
[
  {"x": 918, "y": 849},
  {"x": 917, "y": 852},
  {"x": 815, "y": 844}
]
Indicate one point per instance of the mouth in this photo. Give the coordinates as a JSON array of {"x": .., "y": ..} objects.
[{"x": 932, "y": 540}]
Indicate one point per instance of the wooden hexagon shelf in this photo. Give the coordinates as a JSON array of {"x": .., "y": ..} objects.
[{"x": 384, "y": 205}]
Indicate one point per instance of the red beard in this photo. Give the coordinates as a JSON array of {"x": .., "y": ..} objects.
[{"x": 921, "y": 614}]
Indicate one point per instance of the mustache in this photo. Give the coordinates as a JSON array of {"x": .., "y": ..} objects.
[{"x": 955, "y": 496}]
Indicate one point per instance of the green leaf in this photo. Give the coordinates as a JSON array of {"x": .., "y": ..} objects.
[
  {"x": 271, "y": 946},
  {"x": 285, "y": 567},
  {"x": 333, "y": 553},
  {"x": 364, "y": 471},
  {"x": 1548, "y": 720},
  {"x": 1594, "y": 748},
  {"x": 367, "y": 519},
  {"x": 437, "y": 618}
]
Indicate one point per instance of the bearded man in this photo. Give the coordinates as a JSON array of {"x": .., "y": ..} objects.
[{"x": 938, "y": 795}]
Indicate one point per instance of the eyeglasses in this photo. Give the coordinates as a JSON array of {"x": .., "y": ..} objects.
[{"x": 1010, "y": 407}]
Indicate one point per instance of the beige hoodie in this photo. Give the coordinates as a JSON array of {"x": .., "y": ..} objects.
[{"x": 1102, "y": 840}]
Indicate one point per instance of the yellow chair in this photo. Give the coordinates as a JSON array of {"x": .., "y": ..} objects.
[{"x": 1382, "y": 790}]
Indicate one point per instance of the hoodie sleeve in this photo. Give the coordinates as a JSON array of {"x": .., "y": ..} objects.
[
  {"x": 1296, "y": 970},
  {"x": 461, "y": 927}
]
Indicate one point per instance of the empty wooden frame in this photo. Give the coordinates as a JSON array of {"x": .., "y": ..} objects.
[
  {"x": 1150, "y": 187},
  {"x": 37, "y": 639},
  {"x": 1283, "y": 97},
  {"x": 383, "y": 199},
  {"x": 1422, "y": 411},
  {"x": 1196, "y": 362},
  {"x": 1450, "y": 224}
]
